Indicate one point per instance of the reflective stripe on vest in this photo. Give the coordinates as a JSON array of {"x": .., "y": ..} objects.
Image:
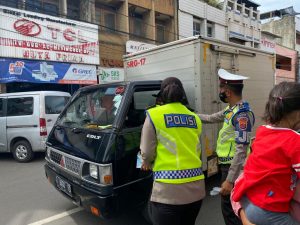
[
  {"x": 178, "y": 174},
  {"x": 225, "y": 159},
  {"x": 178, "y": 149}
]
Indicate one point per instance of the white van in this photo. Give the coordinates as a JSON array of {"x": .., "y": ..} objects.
[{"x": 26, "y": 118}]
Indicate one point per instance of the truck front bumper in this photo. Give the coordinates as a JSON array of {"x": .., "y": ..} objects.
[{"x": 103, "y": 206}]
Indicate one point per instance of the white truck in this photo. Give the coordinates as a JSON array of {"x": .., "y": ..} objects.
[{"x": 195, "y": 61}]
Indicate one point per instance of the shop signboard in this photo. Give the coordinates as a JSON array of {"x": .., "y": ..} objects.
[
  {"x": 31, "y": 35},
  {"x": 135, "y": 46},
  {"x": 268, "y": 45},
  {"x": 19, "y": 70},
  {"x": 107, "y": 75}
]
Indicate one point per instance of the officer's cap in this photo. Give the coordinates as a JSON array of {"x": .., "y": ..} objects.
[{"x": 230, "y": 78}]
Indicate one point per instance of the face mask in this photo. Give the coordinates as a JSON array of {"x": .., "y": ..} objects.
[{"x": 222, "y": 97}]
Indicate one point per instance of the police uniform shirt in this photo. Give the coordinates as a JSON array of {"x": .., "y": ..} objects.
[
  {"x": 241, "y": 147},
  {"x": 163, "y": 192}
]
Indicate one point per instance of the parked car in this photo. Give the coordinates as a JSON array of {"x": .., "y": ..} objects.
[{"x": 26, "y": 118}]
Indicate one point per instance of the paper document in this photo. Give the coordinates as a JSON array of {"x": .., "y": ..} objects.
[{"x": 139, "y": 160}]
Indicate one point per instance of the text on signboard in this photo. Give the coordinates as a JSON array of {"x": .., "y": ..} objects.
[{"x": 136, "y": 62}]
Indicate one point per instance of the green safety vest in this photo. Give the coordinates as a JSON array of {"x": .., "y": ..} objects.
[
  {"x": 226, "y": 145},
  {"x": 178, "y": 146}
]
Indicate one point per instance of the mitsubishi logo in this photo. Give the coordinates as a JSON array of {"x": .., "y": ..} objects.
[{"x": 27, "y": 27}]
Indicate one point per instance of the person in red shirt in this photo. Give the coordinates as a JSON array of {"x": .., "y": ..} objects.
[
  {"x": 273, "y": 167},
  {"x": 294, "y": 209}
]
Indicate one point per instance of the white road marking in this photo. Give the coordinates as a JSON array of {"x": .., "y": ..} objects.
[{"x": 58, "y": 216}]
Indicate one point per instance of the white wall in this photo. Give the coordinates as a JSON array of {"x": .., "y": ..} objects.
[
  {"x": 216, "y": 15},
  {"x": 221, "y": 32},
  {"x": 297, "y": 20},
  {"x": 185, "y": 25},
  {"x": 195, "y": 8}
]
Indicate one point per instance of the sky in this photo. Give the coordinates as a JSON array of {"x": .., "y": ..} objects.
[{"x": 269, "y": 5}]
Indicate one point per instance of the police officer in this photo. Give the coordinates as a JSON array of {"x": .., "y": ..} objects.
[
  {"x": 234, "y": 137},
  {"x": 170, "y": 146}
]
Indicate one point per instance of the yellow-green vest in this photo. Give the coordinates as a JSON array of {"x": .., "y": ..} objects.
[
  {"x": 178, "y": 146},
  {"x": 226, "y": 145}
]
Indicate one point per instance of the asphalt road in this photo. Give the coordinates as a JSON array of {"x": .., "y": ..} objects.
[{"x": 26, "y": 198}]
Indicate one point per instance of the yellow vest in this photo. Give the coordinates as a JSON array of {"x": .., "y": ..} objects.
[
  {"x": 178, "y": 146},
  {"x": 226, "y": 145}
]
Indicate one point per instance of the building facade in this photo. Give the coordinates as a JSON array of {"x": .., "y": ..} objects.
[
  {"x": 236, "y": 21},
  {"x": 119, "y": 27},
  {"x": 286, "y": 60},
  {"x": 131, "y": 25},
  {"x": 298, "y": 46},
  {"x": 196, "y": 17},
  {"x": 285, "y": 24}
]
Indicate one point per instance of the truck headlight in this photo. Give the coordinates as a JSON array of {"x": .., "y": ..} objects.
[
  {"x": 94, "y": 171},
  {"x": 105, "y": 174}
]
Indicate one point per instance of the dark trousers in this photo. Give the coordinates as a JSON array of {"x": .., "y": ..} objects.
[
  {"x": 164, "y": 214},
  {"x": 228, "y": 214}
]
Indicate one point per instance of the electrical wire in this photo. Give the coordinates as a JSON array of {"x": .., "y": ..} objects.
[
  {"x": 122, "y": 32},
  {"x": 100, "y": 25},
  {"x": 108, "y": 28},
  {"x": 61, "y": 15}
]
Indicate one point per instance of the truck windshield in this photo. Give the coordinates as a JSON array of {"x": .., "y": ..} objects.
[{"x": 95, "y": 109}]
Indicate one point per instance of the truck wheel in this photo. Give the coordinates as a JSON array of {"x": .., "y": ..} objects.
[
  {"x": 147, "y": 213},
  {"x": 22, "y": 151}
]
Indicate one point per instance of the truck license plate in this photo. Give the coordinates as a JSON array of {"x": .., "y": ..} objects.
[{"x": 64, "y": 186}]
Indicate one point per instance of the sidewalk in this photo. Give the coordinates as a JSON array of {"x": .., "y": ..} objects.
[{"x": 210, "y": 213}]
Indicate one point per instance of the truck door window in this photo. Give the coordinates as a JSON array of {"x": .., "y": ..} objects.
[
  {"x": 141, "y": 101},
  {"x": 20, "y": 106},
  {"x": 95, "y": 109}
]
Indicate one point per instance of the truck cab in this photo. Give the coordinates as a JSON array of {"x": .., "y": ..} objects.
[{"x": 92, "y": 149}]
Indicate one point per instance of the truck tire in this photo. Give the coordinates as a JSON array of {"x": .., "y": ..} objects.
[
  {"x": 146, "y": 212},
  {"x": 22, "y": 151}
]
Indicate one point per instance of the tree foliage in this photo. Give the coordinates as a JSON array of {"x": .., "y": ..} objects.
[{"x": 214, "y": 3}]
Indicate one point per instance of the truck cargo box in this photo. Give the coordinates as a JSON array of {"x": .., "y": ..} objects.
[{"x": 195, "y": 61}]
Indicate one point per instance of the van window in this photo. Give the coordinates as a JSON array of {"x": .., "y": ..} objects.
[
  {"x": 1, "y": 107},
  {"x": 55, "y": 104},
  {"x": 20, "y": 106}
]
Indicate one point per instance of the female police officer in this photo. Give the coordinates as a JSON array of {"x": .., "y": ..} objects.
[{"x": 170, "y": 146}]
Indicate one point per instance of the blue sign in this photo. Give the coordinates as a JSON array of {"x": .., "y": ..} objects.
[
  {"x": 19, "y": 70},
  {"x": 180, "y": 120}
]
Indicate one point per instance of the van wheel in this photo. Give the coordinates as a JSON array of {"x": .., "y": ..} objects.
[
  {"x": 22, "y": 151},
  {"x": 147, "y": 213}
]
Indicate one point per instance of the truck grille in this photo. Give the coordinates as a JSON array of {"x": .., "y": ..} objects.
[
  {"x": 72, "y": 165},
  {"x": 55, "y": 157},
  {"x": 65, "y": 161}
]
